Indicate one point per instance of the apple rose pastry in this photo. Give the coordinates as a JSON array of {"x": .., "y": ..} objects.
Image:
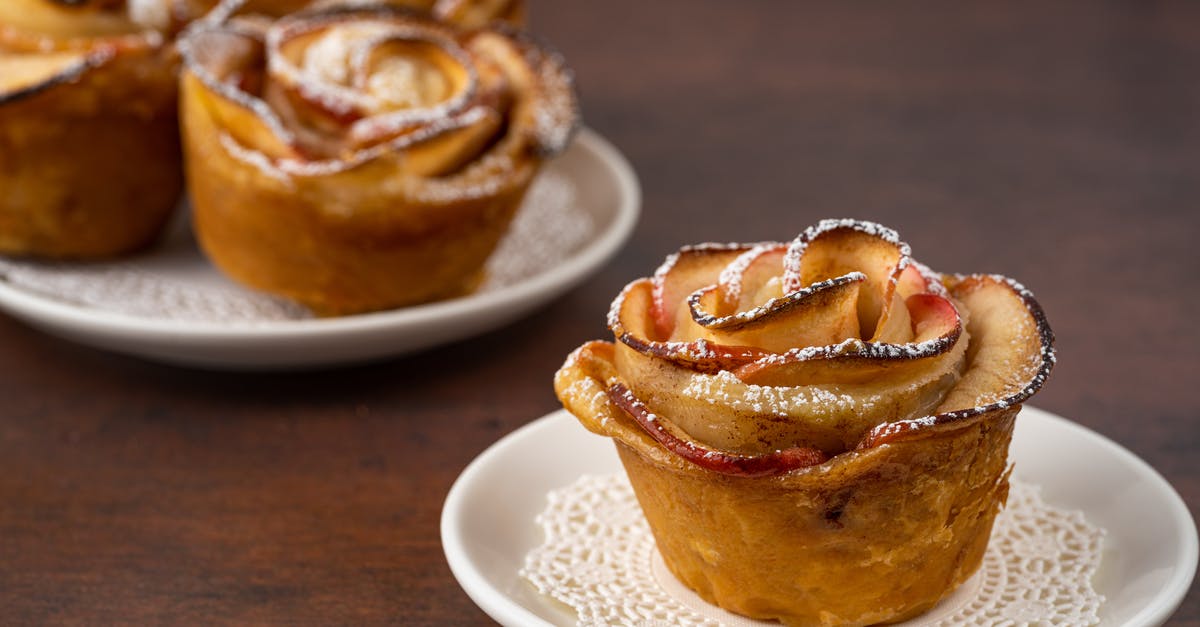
[
  {"x": 89, "y": 149},
  {"x": 359, "y": 156},
  {"x": 816, "y": 431},
  {"x": 464, "y": 13}
]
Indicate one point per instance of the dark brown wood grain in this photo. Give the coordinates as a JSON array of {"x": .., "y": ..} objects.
[{"x": 1058, "y": 143}]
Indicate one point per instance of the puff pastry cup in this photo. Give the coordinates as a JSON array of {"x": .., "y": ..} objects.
[
  {"x": 817, "y": 431},
  {"x": 360, "y": 156},
  {"x": 89, "y": 148}
]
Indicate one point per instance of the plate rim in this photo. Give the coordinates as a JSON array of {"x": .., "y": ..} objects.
[
  {"x": 42, "y": 311},
  {"x": 504, "y": 609}
]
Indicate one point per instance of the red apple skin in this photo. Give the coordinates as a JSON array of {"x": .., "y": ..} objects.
[
  {"x": 776, "y": 463},
  {"x": 673, "y": 281},
  {"x": 930, "y": 309}
]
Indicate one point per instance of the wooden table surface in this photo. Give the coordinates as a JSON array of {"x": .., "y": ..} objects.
[{"x": 1058, "y": 143}]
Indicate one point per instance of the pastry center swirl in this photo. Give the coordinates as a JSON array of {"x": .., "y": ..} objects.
[{"x": 381, "y": 69}]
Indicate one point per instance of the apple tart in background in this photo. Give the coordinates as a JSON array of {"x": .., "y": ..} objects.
[
  {"x": 360, "y": 156},
  {"x": 817, "y": 431},
  {"x": 464, "y": 13},
  {"x": 89, "y": 146}
]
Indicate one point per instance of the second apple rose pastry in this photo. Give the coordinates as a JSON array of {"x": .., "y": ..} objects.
[
  {"x": 465, "y": 13},
  {"x": 89, "y": 141},
  {"x": 359, "y": 156},
  {"x": 817, "y": 431}
]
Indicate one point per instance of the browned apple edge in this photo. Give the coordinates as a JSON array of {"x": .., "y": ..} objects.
[
  {"x": 70, "y": 75},
  {"x": 783, "y": 461},
  {"x": 773, "y": 463}
]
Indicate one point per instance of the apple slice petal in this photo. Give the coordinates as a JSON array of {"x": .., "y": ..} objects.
[
  {"x": 1011, "y": 346},
  {"x": 23, "y": 74},
  {"x": 915, "y": 278},
  {"x": 670, "y": 438},
  {"x": 895, "y": 323},
  {"x": 822, "y": 314},
  {"x": 681, "y": 274},
  {"x": 215, "y": 60},
  {"x": 834, "y": 248},
  {"x": 1011, "y": 356},
  {"x": 633, "y": 327},
  {"x": 741, "y": 282},
  {"x": 932, "y": 317},
  {"x": 444, "y": 151},
  {"x": 937, "y": 328}
]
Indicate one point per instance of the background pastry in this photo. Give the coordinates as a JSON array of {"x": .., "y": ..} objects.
[
  {"x": 465, "y": 13},
  {"x": 360, "y": 156},
  {"x": 817, "y": 431},
  {"x": 89, "y": 148}
]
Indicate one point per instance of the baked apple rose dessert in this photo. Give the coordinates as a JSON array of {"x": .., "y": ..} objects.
[
  {"x": 465, "y": 13},
  {"x": 360, "y": 156},
  {"x": 817, "y": 431},
  {"x": 90, "y": 160}
]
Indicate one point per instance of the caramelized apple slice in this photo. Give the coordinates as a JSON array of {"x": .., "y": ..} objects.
[
  {"x": 936, "y": 330},
  {"x": 446, "y": 151},
  {"x": 631, "y": 325},
  {"x": 835, "y": 248},
  {"x": 60, "y": 21},
  {"x": 20, "y": 73},
  {"x": 546, "y": 121},
  {"x": 681, "y": 274},
  {"x": 743, "y": 284},
  {"x": 664, "y": 433},
  {"x": 1009, "y": 346},
  {"x": 476, "y": 13},
  {"x": 821, "y": 314},
  {"x": 404, "y": 73},
  {"x": 1011, "y": 356},
  {"x": 218, "y": 61},
  {"x": 711, "y": 405}
]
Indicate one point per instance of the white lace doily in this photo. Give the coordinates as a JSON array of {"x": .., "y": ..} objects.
[
  {"x": 599, "y": 558},
  {"x": 173, "y": 281}
]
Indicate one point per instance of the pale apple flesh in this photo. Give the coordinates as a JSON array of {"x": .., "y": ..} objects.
[
  {"x": 323, "y": 89},
  {"x": 680, "y": 275},
  {"x": 25, "y": 72},
  {"x": 706, "y": 457},
  {"x": 63, "y": 22},
  {"x": 1010, "y": 357},
  {"x": 710, "y": 345}
]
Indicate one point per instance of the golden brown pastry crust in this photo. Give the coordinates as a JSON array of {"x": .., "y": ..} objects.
[
  {"x": 871, "y": 536},
  {"x": 813, "y": 532},
  {"x": 346, "y": 228},
  {"x": 89, "y": 149}
]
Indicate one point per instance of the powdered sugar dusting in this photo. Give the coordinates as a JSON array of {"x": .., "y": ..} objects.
[
  {"x": 933, "y": 280},
  {"x": 855, "y": 387},
  {"x": 810, "y": 401},
  {"x": 767, "y": 309},
  {"x": 329, "y": 66},
  {"x": 549, "y": 228},
  {"x": 791, "y": 261},
  {"x": 153, "y": 14},
  {"x": 331, "y": 73},
  {"x": 731, "y": 277}
]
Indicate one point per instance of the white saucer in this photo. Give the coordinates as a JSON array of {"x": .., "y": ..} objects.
[
  {"x": 226, "y": 326},
  {"x": 1150, "y": 550}
]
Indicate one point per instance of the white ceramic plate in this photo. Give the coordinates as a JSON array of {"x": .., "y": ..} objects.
[
  {"x": 1150, "y": 550},
  {"x": 198, "y": 317}
]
